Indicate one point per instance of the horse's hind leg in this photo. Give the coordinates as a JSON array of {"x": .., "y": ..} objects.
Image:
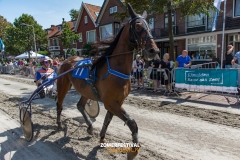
[
  {"x": 106, "y": 122},
  {"x": 81, "y": 107},
  {"x": 63, "y": 86}
]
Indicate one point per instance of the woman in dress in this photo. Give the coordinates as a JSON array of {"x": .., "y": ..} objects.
[{"x": 166, "y": 77}]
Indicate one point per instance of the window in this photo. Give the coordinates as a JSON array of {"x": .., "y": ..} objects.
[
  {"x": 85, "y": 19},
  {"x": 55, "y": 42},
  {"x": 96, "y": 13},
  {"x": 166, "y": 20},
  {"x": 106, "y": 31},
  {"x": 113, "y": 9},
  {"x": 151, "y": 23},
  {"x": 196, "y": 20},
  {"x": 236, "y": 8},
  {"x": 49, "y": 42},
  {"x": 117, "y": 28},
  {"x": 74, "y": 42},
  {"x": 59, "y": 28},
  {"x": 74, "y": 23},
  {"x": 80, "y": 37},
  {"x": 91, "y": 36},
  {"x": 200, "y": 22}
]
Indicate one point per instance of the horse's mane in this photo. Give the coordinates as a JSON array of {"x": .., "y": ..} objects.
[{"x": 98, "y": 62}]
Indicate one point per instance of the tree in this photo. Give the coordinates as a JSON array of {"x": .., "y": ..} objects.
[
  {"x": 186, "y": 7},
  {"x": 88, "y": 49},
  {"x": 19, "y": 37},
  {"x": 73, "y": 14},
  {"x": 3, "y": 25},
  {"x": 68, "y": 36}
]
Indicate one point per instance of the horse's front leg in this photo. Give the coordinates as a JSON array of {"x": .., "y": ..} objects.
[
  {"x": 122, "y": 114},
  {"x": 81, "y": 107},
  {"x": 106, "y": 122}
]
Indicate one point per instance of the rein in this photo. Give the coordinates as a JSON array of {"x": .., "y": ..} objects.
[{"x": 120, "y": 54}]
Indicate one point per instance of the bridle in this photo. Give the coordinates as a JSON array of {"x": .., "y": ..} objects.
[
  {"x": 135, "y": 40},
  {"x": 136, "y": 36}
]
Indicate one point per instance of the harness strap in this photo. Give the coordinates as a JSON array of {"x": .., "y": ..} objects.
[{"x": 113, "y": 72}]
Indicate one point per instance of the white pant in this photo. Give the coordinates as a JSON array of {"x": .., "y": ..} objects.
[{"x": 50, "y": 88}]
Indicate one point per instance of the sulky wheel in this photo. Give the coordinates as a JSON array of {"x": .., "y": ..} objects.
[
  {"x": 92, "y": 108},
  {"x": 26, "y": 124}
]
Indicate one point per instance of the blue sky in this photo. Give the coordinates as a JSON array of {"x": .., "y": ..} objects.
[{"x": 45, "y": 12}]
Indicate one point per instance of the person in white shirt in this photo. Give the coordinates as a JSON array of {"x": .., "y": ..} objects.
[{"x": 138, "y": 66}]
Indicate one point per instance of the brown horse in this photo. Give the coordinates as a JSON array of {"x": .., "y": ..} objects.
[{"x": 113, "y": 89}]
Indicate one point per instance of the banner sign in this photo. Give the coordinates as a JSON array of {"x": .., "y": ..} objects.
[{"x": 222, "y": 80}]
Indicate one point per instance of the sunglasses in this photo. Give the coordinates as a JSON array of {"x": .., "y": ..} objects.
[{"x": 46, "y": 62}]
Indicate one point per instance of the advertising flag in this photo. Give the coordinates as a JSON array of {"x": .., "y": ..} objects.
[
  {"x": 1, "y": 45},
  {"x": 217, "y": 4}
]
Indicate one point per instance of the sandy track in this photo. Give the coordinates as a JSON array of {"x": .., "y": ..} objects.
[{"x": 166, "y": 130}]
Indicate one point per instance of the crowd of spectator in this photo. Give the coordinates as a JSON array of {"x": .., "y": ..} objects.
[
  {"x": 27, "y": 67},
  {"x": 160, "y": 70}
]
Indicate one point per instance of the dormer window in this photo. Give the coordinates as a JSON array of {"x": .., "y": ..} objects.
[
  {"x": 113, "y": 9},
  {"x": 96, "y": 13},
  {"x": 74, "y": 23},
  {"x": 85, "y": 19},
  {"x": 59, "y": 28}
]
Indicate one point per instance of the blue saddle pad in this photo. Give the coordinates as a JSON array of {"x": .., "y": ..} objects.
[{"x": 82, "y": 72}]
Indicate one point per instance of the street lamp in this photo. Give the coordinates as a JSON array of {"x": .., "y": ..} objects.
[{"x": 33, "y": 37}]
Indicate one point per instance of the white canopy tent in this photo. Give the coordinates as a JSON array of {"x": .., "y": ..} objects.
[{"x": 25, "y": 55}]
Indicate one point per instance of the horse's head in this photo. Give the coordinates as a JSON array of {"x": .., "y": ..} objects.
[{"x": 140, "y": 34}]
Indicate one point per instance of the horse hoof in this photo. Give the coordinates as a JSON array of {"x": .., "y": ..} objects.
[
  {"x": 131, "y": 155},
  {"x": 90, "y": 130},
  {"x": 102, "y": 140},
  {"x": 59, "y": 127}
]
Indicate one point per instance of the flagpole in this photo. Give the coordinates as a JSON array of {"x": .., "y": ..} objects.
[{"x": 223, "y": 32}]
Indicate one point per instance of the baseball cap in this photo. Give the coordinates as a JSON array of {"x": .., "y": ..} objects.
[{"x": 44, "y": 58}]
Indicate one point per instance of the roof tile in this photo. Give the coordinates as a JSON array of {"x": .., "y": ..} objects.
[{"x": 93, "y": 10}]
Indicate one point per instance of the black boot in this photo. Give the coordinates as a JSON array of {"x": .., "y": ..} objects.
[{"x": 41, "y": 93}]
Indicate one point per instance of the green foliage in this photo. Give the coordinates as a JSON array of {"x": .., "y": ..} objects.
[
  {"x": 73, "y": 14},
  {"x": 71, "y": 52},
  {"x": 3, "y": 26},
  {"x": 88, "y": 49},
  {"x": 68, "y": 36},
  {"x": 154, "y": 7},
  {"x": 46, "y": 53},
  {"x": 19, "y": 37},
  {"x": 187, "y": 7}
]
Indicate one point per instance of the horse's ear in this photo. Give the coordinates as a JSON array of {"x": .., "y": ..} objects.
[
  {"x": 131, "y": 11},
  {"x": 144, "y": 15}
]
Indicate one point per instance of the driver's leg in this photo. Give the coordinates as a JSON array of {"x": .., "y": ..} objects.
[{"x": 42, "y": 92}]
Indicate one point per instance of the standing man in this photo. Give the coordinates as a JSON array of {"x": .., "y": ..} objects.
[
  {"x": 229, "y": 56},
  {"x": 183, "y": 60},
  {"x": 236, "y": 57},
  {"x": 45, "y": 74}
]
